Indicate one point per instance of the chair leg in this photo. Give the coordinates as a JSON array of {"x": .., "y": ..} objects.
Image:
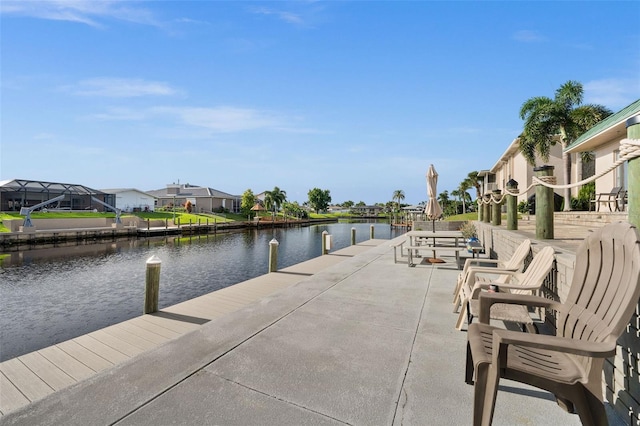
[
  {"x": 490, "y": 393},
  {"x": 484, "y": 394},
  {"x": 590, "y": 409},
  {"x": 468, "y": 377},
  {"x": 461, "y": 315}
]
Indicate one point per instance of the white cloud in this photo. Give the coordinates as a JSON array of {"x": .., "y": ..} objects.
[
  {"x": 89, "y": 12},
  {"x": 285, "y": 16},
  {"x": 615, "y": 93},
  {"x": 121, "y": 88},
  {"x": 223, "y": 119},
  {"x": 528, "y": 36}
]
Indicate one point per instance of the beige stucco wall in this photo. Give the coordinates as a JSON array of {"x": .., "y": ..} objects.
[
  {"x": 604, "y": 159},
  {"x": 516, "y": 167}
]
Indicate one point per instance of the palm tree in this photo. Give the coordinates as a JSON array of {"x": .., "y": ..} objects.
[
  {"x": 563, "y": 119},
  {"x": 474, "y": 182},
  {"x": 464, "y": 186},
  {"x": 458, "y": 194},
  {"x": 398, "y": 195},
  {"x": 443, "y": 199},
  {"x": 274, "y": 199}
]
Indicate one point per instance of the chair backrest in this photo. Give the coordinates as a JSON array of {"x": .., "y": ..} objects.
[
  {"x": 517, "y": 259},
  {"x": 606, "y": 285},
  {"x": 537, "y": 271},
  {"x": 615, "y": 190}
]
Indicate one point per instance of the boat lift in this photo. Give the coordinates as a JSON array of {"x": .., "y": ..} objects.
[
  {"x": 110, "y": 207},
  {"x": 26, "y": 211}
]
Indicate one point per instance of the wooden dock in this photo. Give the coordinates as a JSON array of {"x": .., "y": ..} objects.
[{"x": 29, "y": 377}]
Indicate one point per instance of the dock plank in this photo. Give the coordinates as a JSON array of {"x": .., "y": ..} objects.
[
  {"x": 153, "y": 337},
  {"x": 31, "y": 386},
  {"x": 172, "y": 324},
  {"x": 201, "y": 310},
  {"x": 10, "y": 396},
  {"x": 155, "y": 328},
  {"x": 115, "y": 343},
  {"x": 67, "y": 363},
  {"x": 47, "y": 371},
  {"x": 118, "y": 332},
  {"x": 84, "y": 355}
]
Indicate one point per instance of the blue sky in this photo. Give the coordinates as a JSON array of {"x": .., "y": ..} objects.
[{"x": 355, "y": 97}]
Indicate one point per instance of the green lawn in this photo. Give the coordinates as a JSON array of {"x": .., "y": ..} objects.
[{"x": 184, "y": 217}]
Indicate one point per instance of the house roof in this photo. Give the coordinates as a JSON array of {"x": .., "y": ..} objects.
[
  {"x": 121, "y": 190},
  {"x": 512, "y": 150},
  {"x": 42, "y": 186},
  {"x": 610, "y": 128},
  {"x": 192, "y": 191}
]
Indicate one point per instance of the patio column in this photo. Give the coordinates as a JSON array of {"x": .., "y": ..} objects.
[
  {"x": 544, "y": 205},
  {"x": 512, "y": 206},
  {"x": 633, "y": 132},
  {"x": 496, "y": 213},
  {"x": 480, "y": 209}
]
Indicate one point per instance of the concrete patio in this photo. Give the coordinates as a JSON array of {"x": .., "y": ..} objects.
[{"x": 362, "y": 342}]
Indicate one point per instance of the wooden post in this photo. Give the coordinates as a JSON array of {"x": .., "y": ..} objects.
[
  {"x": 512, "y": 206},
  {"x": 486, "y": 207},
  {"x": 372, "y": 232},
  {"x": 353, "y": 236},
  {"x": 152, "y": 285},
  {"x": 273, "y": 255},
  {"x": 633, "y": 132},
  {"x": 496, "y": 209},
  {"x": 544, "y": 205},
  {"x": 324, "y": 242}
]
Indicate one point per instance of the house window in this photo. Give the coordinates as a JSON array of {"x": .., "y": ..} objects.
[{"x": 621, "y": 171}]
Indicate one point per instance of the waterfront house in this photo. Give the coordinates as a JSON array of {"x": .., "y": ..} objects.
[
  {"x": 203, "y": 199},
  {"x": 513, "y": 165},
  {"x": 18, "y": 193},
  {"x": 603, "y": 140},
  {"x": 132, "y": 200}
]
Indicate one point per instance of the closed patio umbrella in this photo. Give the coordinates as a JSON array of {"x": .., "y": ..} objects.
[{"x": 433, "y": 209}]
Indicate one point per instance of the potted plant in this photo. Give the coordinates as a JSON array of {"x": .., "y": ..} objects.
[{"x": 468, "y": 230}]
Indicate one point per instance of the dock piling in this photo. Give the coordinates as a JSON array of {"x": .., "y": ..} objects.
[
  {"x": 273, "y": 255},
  {"x": 324, "y": 242},
  {"x": 152, "y": 285},
  {"x": 353, "y": 236},
  {"x": 371, "y": 232}
]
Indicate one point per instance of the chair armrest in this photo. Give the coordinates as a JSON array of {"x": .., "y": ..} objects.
[
  {"x": 478, "y": 285},
  {"x": 503, "y": 338},
  {"x": 469, "y": 263},
  {"x": 486, "y": 300}
]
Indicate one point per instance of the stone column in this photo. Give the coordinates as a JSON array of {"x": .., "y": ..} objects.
[
  {"x": 544, "y": 205},
  {"x": 512, "y": 206},
  {"x": 480, "y": 210},
  {"x": 633, "y": 195},
  {"x": 496, "y": 208}
]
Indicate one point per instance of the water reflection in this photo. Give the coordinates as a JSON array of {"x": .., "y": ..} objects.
[{"x": 54, "y": 294}]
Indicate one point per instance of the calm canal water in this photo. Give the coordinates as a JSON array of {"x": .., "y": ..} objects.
[{"x": 51, "y": 295}]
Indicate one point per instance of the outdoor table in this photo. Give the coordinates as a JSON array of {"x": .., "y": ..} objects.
[{"x": 437, "y": 238}]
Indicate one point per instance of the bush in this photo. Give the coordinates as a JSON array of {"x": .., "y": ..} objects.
[{"x": 523, "y": 206}]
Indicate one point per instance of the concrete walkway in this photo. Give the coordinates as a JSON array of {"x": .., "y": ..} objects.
[{"x": 363, "y": 342}]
